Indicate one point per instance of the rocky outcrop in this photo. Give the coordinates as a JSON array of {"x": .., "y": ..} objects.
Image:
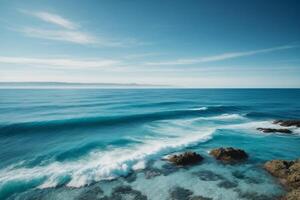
[
  {"x": 187, "y": 158},
  {"x": 292, "y": 195},
  {"x": 287, "y": 123},
  {"x": 275, "y": 130},
  {"x": 288, "y": 173},
  {"x": 229, "y": 154}
]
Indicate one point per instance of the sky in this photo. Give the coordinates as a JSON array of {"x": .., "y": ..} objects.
[{"x": 182, "y": 43}]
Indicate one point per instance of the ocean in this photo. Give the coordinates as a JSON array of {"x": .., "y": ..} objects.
[{"x": 109, "y": 143}]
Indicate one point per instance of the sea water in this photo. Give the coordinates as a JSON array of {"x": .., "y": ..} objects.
[{"x": 110, "y": 143}]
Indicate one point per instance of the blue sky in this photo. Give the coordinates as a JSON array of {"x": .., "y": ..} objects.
[{"x": 189, "y": 43}]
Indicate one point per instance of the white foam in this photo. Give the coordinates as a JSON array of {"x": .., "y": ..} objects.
[
  {"x": 226, "y": 117},
  {"x": 252, "y": 126},
  {"x": 139, "y": 165},
  {"x": 115, "y": 162},
  {"x": 200, "y": 108}
]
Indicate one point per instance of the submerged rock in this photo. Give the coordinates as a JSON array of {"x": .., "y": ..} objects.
[
  {"x": 274, "y": 130},
  {"x": 130, "y": 177},
  {"x": 288, "y": 173},
  {"x": 287, "y": 123},
  {"x": 200, "y": 198},
  {"x": 187, "y": 158},
  {"x": 227, "y": 184},
  {"x": 206, "y": 175},
  {"x": 229, "y": 154},
  {"x": 254, "y": 196},
  {"x": 179, "y": 193},
  {"x": 168, "y": 169},
  {"x": 125, "y": 193},
  {"x": 91, "y": 193},
  {"x": 250, "y": 180},
  {"x": 152, "y": 172}
]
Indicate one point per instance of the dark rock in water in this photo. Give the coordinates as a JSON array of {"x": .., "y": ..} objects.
[
  {"x": 292, "y": 195},
  {"x": 238, "y": 174},
  {"x": 165, "y": 170},
  {"x": 274, "y": 130},
  {"x": 229, "y": 154},
  {"x": 287, "y": 123},
  {"x": 168, "y": 169},
  {"x": 247, "y": 179},
  {"x": 179, "y": 193},
  {"x": 200, "y": 198},
  {"x": 130, "y": 178},
  {"x": 187, "y": 158},
  {"x": 288, "y": 173},
  {"x": 227, "y": 184},
  {"x": 207, "y": 175},
  {"x": 152, "y": 172},
  {"x": 253, "y": 196},
  {"x": 125, "y": 193},
  {"x": 91, "y": 193}
]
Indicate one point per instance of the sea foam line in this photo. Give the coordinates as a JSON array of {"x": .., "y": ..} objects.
[{"x": 99, "y": 165}]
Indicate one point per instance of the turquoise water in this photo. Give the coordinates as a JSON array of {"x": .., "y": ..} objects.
[{"x": 84, "y": 143}]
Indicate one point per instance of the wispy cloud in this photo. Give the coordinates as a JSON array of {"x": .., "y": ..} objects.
[
  {"x": 64, "y": 63},
  {"x": 69, "y": 31},
  {"x": 220, "y": 57},
  {"x": 61, "y": 35},
  {"x": 55, "y": 19}
]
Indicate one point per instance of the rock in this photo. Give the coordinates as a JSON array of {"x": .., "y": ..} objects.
[
  {"x": 125, "y": 193},
  {"x": 227, "y": 184},
  {"x": 253, "y": 195},
  {"x": 206, "y": 175},
  {"x": 151, "y": 173},
  {"x": 289, "y": 174},
  {"x": 293, "y": 179},
  {"x": 287, "y": 123},
  {"x": 292, "y": 195},
  {"x": 278, "y": 168},
  {"x": 130, "y": 177},
  {"x": 250, "y": 180},
  {"x": 229, "y": 154},
  {"x": 168, "y": 169},
  {"x": 274, "y": 130},
  {"x": 92, "y": 192},
  {"x": 200, "y": 198},
  {"x": 179, "y": 193},
  {"x": 187, "y": 158}
]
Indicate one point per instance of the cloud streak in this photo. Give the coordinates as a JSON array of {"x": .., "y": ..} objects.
[
  {"x": 69, "y": 31},
  {"x": 55, "y": 19},
  {"x": 63, "y": 63},
  {"x": 77, "y": 37},
  {"x": 221, "y": 57}
]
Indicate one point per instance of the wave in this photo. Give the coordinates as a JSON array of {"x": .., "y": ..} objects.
[
  {"x": 253, "y": 125},
  {"x": 226, "y": 117},
  {"x": 103, "y": 165},
  {"x": 68, "y": 124},
  {"x": 263, "y": 115}
]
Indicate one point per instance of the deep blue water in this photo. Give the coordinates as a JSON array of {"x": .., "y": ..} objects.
[{"x": 58, "y": 143}]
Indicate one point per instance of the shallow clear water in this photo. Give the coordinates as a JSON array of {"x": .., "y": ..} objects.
[{"x": 85, "y": 143}]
